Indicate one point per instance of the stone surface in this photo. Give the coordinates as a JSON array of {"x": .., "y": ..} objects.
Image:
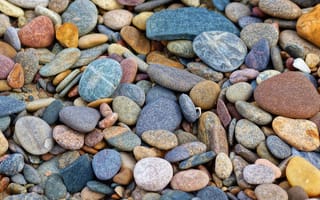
[
  {"x": 87, "y": 194},
  {"x": 129, "y": 70},
  {"x": 241, "y": 91},
  {"x": 243, "y": 75},
  {"x": 253, "y": 113},
  {"x": 182, "y": 48},
  {"x": 296, "y": 193},
  {"x": 67, "y": 34},
  {"x": 51, "y": 113},
  {"x": 11, "y": 37},
  {"x": 223, "y": 166},
  {"x": 37, "y": 33},
  {"x": 4, "y": 145},
  {"x": 15, "y": 78},
  {"x": 181, "y": 23},
  {"x": 280, "y": 9},
  {"x": 258, "y": 174},
  {"x": 130, "y": 2},
  {"x": 259, "y": 55},
  {"x": 189, "y": 111},
  {"x": 246, "y": 20},
  {"x": 5, "y": 123},
  {"x": 10, "y": 9},
  {"x": 248, "y": 134},
  {"x": 6, "y": 49},
  {"x": 185, "y": 151},
  {"x": 6, "y": 66},
  {"x": 117, "y": 19},
  {"x": 31, "y": 174},
  {"x": 132, "y": 91},
  {"x": 104, "y": 70},
  {"x": 55, "y": 188},
  {"x": 299, "y": 133},
  {"x": 92, "y": 40},
  {"x": 277, "y": 147},
  {"x": 312, "y": 157},
  {"x": 68, "y": 138},
  {"x": 30, "y": 4},
  {"x": 235, "y": 10},
  {"x": 211, "y": 192},
  {"x": 100, "y": 187},
  {"x": 11, "y": 164},
  {"x": 157, "y": 91},
  {"x": 10, "y": 105},
  {"x": 300, "y": 172},
  {"x": 106, "y": 164},
  {"x": 121, "y": 138},
  {"x": 270, "y": 191},
  {"x": 89, "y": 55},
  {"x": 135, "y": 39},
  {"x": 276, "y": 170},
  {"x": 29, "y": 60},
  {"x": 222, "y": 51},
  {"x": 152, "y": 174},
  {"x": 140, "y": 20},
  {"x": 286, "y": 95},
  {"x": 83, "y": 13},
  {"x": 161, "y": 139},
  {"x": 58, "y": 6},
  {"x": 34, "y": 135},
  {"x": 127, "y": 109},
  {"x": 197, "y": 159},
  {"x": 204, "y": 94},
  {"x": 156, "y": 57},
  {"x": 107, "y": 4},
  {"x": 189, "y": 180},
  {"x": 266, "y": 74}
]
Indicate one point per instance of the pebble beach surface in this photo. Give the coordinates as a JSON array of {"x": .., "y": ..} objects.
[{"x": 159, "y": 99}]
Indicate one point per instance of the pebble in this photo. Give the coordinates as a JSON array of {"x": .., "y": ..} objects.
[
  {"x": 6, "y": 49},
  {"x": 4, "y": 145},
  {"x": 245, "y": 153},
  {"x": 4, "y": 24},
  {"x": 82, "y": 13},
  {"x": 38, "y": 33},
  {"x": 266, "y": 74},
  {"x": 100, "y": 187},
  {"x": 58, "y": 6},
  {"x": 29, "y": 60},
  {"x": 10, "y": 105},
  {"x": 12, "y": 38},
  {"x": 220, "y": 4},
  {"x": 300, "y": 172},
  {"x": 258, "y": 174},
  {"x": 246, "y": 20},
  {"x": 153, "y": 174},
  {"x": 92, "y": 40},
  {"x": 312, "y": 60},
  {"x": 6, "y": 66},
  {"x": 277, "y": 147},
  {"x": 222, "y": 51},
  {"x": 135, "y": 39},
  {"x": 55, "y": 188},
  {"x": 223, "y": 166},
  {"x": 157, "y": 92},
  {"x": 117, "y": 19},
  {"x": 161, "y": 114},
  {"x": 121, "y": 138},
  {"x": 176, "y": 194},
  {"x": 18, "y": 179},
  {"x": 276, "y": 170},
  {"x": 67, "y": 138},
  {"x": 107, "y": 4},
  {"x": 189, "y": 180},
  {"x": 106, "y": 163},
  {"x": 259, "y": 55},
  {"x": 185, "y": 137},
  {"x": 87, "y": 194},
  {"x": 295, "y": 50},
  {"x": 51, "y": 113},
  {"x": 55, "y": 17},
  {"x": 223, "y": 113},
  {"x": 127, "y": 109},
  {"x": 76, "y": 175},
  {"x": 161, "y": 139},
  {"x": 184, "y": 23},
  {"x": 205, "y": 94},
  {"x": 304, "y": 136},
  {"x": 235, "y": 10},
  {"x": 10, "y": 9},
  {"x": 38, "y": 104},
  {"x": 282, "y": 9},
  {"x": 254, "y": 32},
  {"x": 204, "y": 71},
  {"x": 31, "y": 195},
  {"x": 296, "y": 193},
  {"x": 241, "y": 91},
  {"x": 197, "y": 159},
  {"x": 11, "y": 164},
  {"x": 263, "y": 152},
  {"x": 88, "y": 55},
  {"x": 312, "y": 157},
  {"x": 270, "y": 191},
  {"x": 31, "y": 174},
  {"x": 36, "y": 144},
  {"x": 243, "y": 75},
  {"x": 211, "y": 192},
  {"x": 299, "y": 64},
  {"x": 189, "y": 111},
  {"x": 132, "y": 91},
  {"x": 182, "y": 48},
  {"x": 15, "y": 78},
  {"x": 141, "y": 152},
  {"x": 131, "y": 2},
  {"x": 129, "y": 70},
  {"x": 30, "y": 4},
  {"x": 140, "y": 20},
  {"x": 67, "y": 34},
  {"x": 185, "y": 151},
  {"x": 248, "y": 134},
  {"x": 4, "y": 123},
  {"x": 253, "y": 113},
  {"x": 282, "y": 94},
  {"x": 102, "y": 70},
  {"x": 67, "y": 158}
]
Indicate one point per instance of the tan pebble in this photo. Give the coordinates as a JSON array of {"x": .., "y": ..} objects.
[
  {"x": 140, "y": 20},
  {"x": 97, "y": 103},
  {"x": 68, "y": 138},
  {"x": 89, "y": 149},
  {"x": 117, "y": 49},
  {"x": 14, "y": 188},
  {"x": 105, "y": 109},
  {"x": 92, "y": 40},
  {"x": 101, "y": 145},
  {"x": 58, "y": 6},
  {"x": 16, "y": 77},
  {"x": 40, "y": 103},
  {"x": 79, "y": 102},
  {"x": 156, "y": 57},
  {"x": 127, "y": 160},
  {"x": 4, "y": 145},
  {"x": 192, "y": 3},
  {"x": 57, "y": 79},
  {"x": 10, "y": 9},
  {"x": 312, "y": 60},
  {"x": 107, "y": 4},
  {"x": 119, "y": 190},
  {"x": 116, "y": 19},
  {"x": 135, "y": 39},
  {"x": 141, "y": 152},
  {"x": 124, "y": 176},
  {"x": 7, "y": 50},
  {"x": 189, "y": 180},
  {"x": 55, "y": 17},
  {"x": 67, "y": 34},
  {"x": 47, "y": 156},
  {"x": 204, "y": 94},
  {"x": 276, "y": 170},
  {"x": 4, "y": 86},
  {"x": 87, "y": 194},
  {"x": 109, "y": 120}
]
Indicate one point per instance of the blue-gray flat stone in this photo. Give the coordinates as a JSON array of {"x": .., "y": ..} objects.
[
  {"x": 211, "y": 192},
  {"x": 222, "y": 51},
  {"x": 11, "y": 37},
  {"x": 186, "y": 23},
  {"x": 132, "y": 91},
  {"x": 162, "y": 114},
  {"x": 313, "y": 157},
  {"x": 259, "y": 55},
  {"x": 54, "y": 188},
  {"x": 88, "y": 55},
  {"x": 157, "y": 91},
  {"x": 176, "y": 195},
  {"x": 33, "y": 196},
  {"x": 277, "y": 147},
  {"x": 189, "y": 111},
  {"x": 197, "y": 160},
  {"x": 12, "y": 165},
  {"x": 220, "y": 4},
  {"x": 51, "y": 113},
  {"x": 83, "y": 13},
  {"x": 106, "y": 164},
  {"x": 4, "y": 123},
  {"x": 126, "y": 141},
  {"x": 100, "y": 79},
  {"x": 10, "y": 105},
  {"x": 97, "y": 186}
]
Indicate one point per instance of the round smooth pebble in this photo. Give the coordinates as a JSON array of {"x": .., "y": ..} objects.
[
  {"x": 223, "y": 166},
  {"x": 100, "y": 187},
  {"x": 68, "y": 138},
  {"x": 277, "y": 147},
  {"x": 67, "y": 34},
  {"x": 135, "y": 39},
  {"x": 189, "y": 180},
  {"x": 189, "y": 111},
  {"x": 205, "y": 94},
  {"x": 12, "y": 38},
  {"x": 276, "y": 170},
  {"x": 176, "y": 194},
  {"x": 117, "y": 19},
  {"x": 222, "y": 51},
  {"x": 161, "y": 139},
  {"x": 58, "y": 6},
  {"x": 300, "y": 65},
  {"x": 270, "y": 191},
  {"x": 152, "y": 174},
  {"x": 31, "y": 174},
  {"x": 253, "y": 113},
  {"x": 11, "y": 164},
  {"x": 248, "y": 134},
  {"x": 283, "y": 9},
  {"x": 4, "y": 123},
  {"x": 15, "y": 78},
  {"x": 51, "y": 113},
  {"x": 10, "y": 105},
  {"x": 243, "y": 75},
  {"x": 129, "y": 70},
  {"x": 240, "y": 91},
  {"x": 197, "y": 159},
  {"x": 106, "y": 164},
  {"x": 54, "y": 187},
  {"x": 297, "y": 193},
  {"x": 107, "y": 4},
  {"x": 182, "y": 48},
  {"x": 259, "y": 55},
  {"x": 235, "y": 10},
  {"x": 36, "y": 144},
  {"x": 127, "y": 110},
  {"x": 258, "y": 174},
  {"x": 211, "y": 192},
  {"x": 185, "y": 151}
]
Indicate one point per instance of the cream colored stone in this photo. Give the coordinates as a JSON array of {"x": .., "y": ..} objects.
[
  {"x": 4, "y": 145},
  {"x": 10, "y": 9},
  {"x": 55, "y": 17},
  {"x": 140, "y": 20},
  {"x": 40, "y": 103},
  {"x": 117, "y": 49},
  {"x": 107, "y": 4}
]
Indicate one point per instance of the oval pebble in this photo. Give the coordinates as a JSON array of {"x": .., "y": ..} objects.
[
  {"x": 189, "y": 111},
  {"x": 259, "y": 55},
  {"x": 211, "y": 192},
  {"x": 205, "y": 94},
  {"x": 157, "y": 91},
  {"x": 189, "y": 180},
  {"x": 283, "y": 9},
  {"x": 106, "y": 164},
  {"x": 235, "y": 10},
  {"x": 277, "y": 147},
  {"x": 7, "y": 65},
  {"x": 248, "y": 134},
  {"x": 253, "y": 113},
  {"x": 12, "y": 38},
  {"x": 239, "y": 92},
  {"x": 10, "y": 105},
  {"x": 68, "y": 138},
  {"x": 185, "y": 151},
  {"x": 270, "y": 191},
  {"x": 4, "y": 122},
  {"x": 11, "y": 164},
  {"x": 131, "y": 91},
  {"x": 127, "y": 110},
  {"x": 161, "y": 139},
  {"x": 258, "y": 174},
  {"x": 117, "y": 19},
  {"x": 197, "y": 159},
  {"x": 223, "y": 166}
]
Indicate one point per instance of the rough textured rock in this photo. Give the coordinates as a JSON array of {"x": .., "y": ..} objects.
[{"x": 284, "y": 9}]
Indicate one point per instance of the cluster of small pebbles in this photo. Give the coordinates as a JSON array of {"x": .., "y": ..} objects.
[{"x": 159, "y": 99}]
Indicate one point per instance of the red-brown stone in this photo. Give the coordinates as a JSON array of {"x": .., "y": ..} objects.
[{"x": 6, "y": 65}]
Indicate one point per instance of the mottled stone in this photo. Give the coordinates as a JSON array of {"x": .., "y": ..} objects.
[
  {"x": 185, "y": 151},
  {"x": 286, "y": 95},
  {"x": 15, "y": 78},
  {"x": 140, "y": 20},
  {"x": 10, "y": 9},
  {"x": 31, "y": 174},
  {"x": 248, "y": 134},
  {"x": 30, "y": 4},
  {"x": 222, "y": 51},
  {"x": 182, "y": 48},
  {"x": 241, "y": 91},
  {"x": 10, "y": 105},
  {"x": 312, "y": 157},
  {"x": 107, "y": 4},
  {"x": 235, "y": 10},
  {"x": 135, "y": 39},
  {"x": 266, "y": 74},
  {"x": 223, "y": 113},
  {"x": 29, "y": 60},
  {"x": 106, "y": 164},
  {"x": 157, "y": 57},
  {"x": 185, "y": 137},
  {"x": 6, "y": 66},
  {"x": 87, "y": 194},
  {"x": 204, "y": 94},
  {"x": 223, "y": 166},
  {"x": 11, "y": 37},
  {"x": 297, "y": 193},
  {"x": 4, "y": 145},
  {"x": 280, "y": 9},
  {"x": 127, "y": 109},
  {"x": 189, "y": 180},
  {"x": 129, "y": 70},
  {"x": 246, "y": 20},
  {"x": 161, "y": 139},
  {"x": 67, "y": 34},
  {"x": 243, "y": 75},
  {"x": 11, "y": 164},
  {"x": 99, "y": 187},
  {"x": 58, "y": 6},
  {"x": 132, "y": 91},
  {"x": 175, "y": 194},
  {"x": 263, "y": 152},
  {"x": 6, "y": 49},
  {"x": 238, "y": 165},
  {"x": 68, "y": 158},
  {"x": 186, "y": 23},
  {"x": 55, "y": 188},
  {"x": 258, "y": 174},
  {"x": 157, "y": 92},
  {"x": 270, "y": 191},
  {"x": 220, "y": 4},
  {"x": 121, "y": 138},
  {"x": 92, "y": 40},
  {"x": 197, "y": 160},
  {"x": 245, "y": 153},
  {"x": 253, "y": 113},
  {"x": 189, "y": 111},
  {"x": 117, "y": 19},
  {"x": 277, "y": 147},
  {"x": 51, "y": 113},
  {"x": 211, "y": 192},
  {"x": 204, "y": 71},
  {"x": 68, "y": 138},
  {"x": 259, "y": 55}
]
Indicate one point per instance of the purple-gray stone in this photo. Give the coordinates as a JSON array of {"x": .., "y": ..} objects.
[
  {"x": 157, "y": 92},
  {"x": 177, "y": 154},
  {"x": 10, "y": 105},
  {"x": 246, "y": 20},
  {"x": 189, "y": 111},
  {"x": 11, "y": 37},
  {"x": 259, "y": 55},
  {"x": 277, "y": 147},
  {"x": 220, "y": 4},
  {"x": 51, "y": 113},
  {"x": 106, "y": 164}
]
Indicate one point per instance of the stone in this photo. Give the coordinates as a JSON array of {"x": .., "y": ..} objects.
[
  {"x": 245, "y": 153},
  {"x": 304, "y": 136},
  {"x": 34, "y": 135},
  {"x": 161, "y": 114},
  {"x": 205, "y": 94},
  {"x": 141, "y": 152},
  {"x": 129, "y": 70},
  {"x": 4, "y": 24},
  {"x": 238, "y": 165},
  {"x": 61, "y": 62},
  {"x": 18, "y": 179},
  {"x": 254, "y": 32},
  {"x": 312, "y": 157},
  {"x": 156, "y": 57},
  {"x": 11, "y": 164},
  {"x": 182, "y": 48},
  {"x": 130, "y": 2},
  {"x": 5, "y": 123},
  {"x": 181, "y": 23},
  {"x": 276, "y": 58},
  {"x": 67, "y": 34},
  {"x": 235, "y": 10},
  {"x": 100, "y": 187},
  {"x": 157, "y": 92},
  {"x": 296, "y": 193},
  {"x": 6, "y": 49},
  {"x": 259, "y": 55},
  {"x": 106, "y": 164},
  {"x": 10, "y": 9},
  {"x": 29, "y": 60},
  {"x": 15, "y": 78},
  {"x": 277, "y": 147},
  {"x": 197, "y": 159},
  {"x": 58, "y": 6},
  {"x": 38, "y": 33},
  {"x": 31, "y": 174},
  {"x": 243, "y": 75},
  {"x": 299, "y": 64},
  {"x": 263, "y": 152},
  {"x": 172, "y": 78},
  {"x": 6, "y": 66},
  {"x": 189, "y": 111},
  {"x": 121, "y": 138},
  {"x": 55, "y": 17},
  {"x": 107, "y": 4},
  {"x": 135, "y": 39},
  {"x": 185, "y": 137},
  {"x": 92, "y": 40},
  {"x": 140, "y": 20},
  {"x": 30, "y": 4},
  {"x": 295, "y": 51},
  {"x": 89, "y": 55},
  {"x": 223, "y": 113},
  {"x": 153, "y": 174},
  {"x": 51, "y": 113},
  {"x": 312, "y": 60},
  {"x": 283, "y": 9},
  {"x": 258, "y": 174},
  {"x": 248, "y": 134},
  {"x": 55, "y": 188},
  {"x": 161, "y": 139},
  {"x": 222, "y": 51},
  {"x": 82, "y": 119},
  {"x": 246, "y": 20},
  {"x": 11, "y": 37},
  {"x": 286, "y": 95},
  {"x": 82, "y": 13},
  {"x": 185, "y": 151},
  {"x": 253, "y": 113},
  {"x": 189, "y": 180},
  {"x": 307, "y": 25},
  {"x": 306, "y": 3},
  {"x": 176, "y": 194},
  {"x": 132, "y": 91},
  {"x": 266, "y": 74},
  {"x": 67, "y": 158},
  {"x": 117, "y": 19},
  {"x": 223, "y": 166},
  {"x": 87, "y": 194},
  {"x": 220, "y": 4},
  {"x": 300, "y": 172},
  {"x": 38, "y": 104},
  {"x": 127, "y": 109},
  {"x": 270, "y": 191},
  {"x": 77, "y": 174},
  {"x": 124, "y": 177},
  {"x": 4, "y": 145},
  {"x": 241, "y": 91},
  {"x": 151, "y": 195},
  {"x": 68, "y": 138},
  {"x": 211, "y": 192}
]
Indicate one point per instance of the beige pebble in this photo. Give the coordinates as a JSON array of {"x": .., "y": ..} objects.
[
  {"x": 117, "y": 49},
  {"x": 116, "y": 19},
  {"x": 276, "y": 170},
  {"x": 140, "y": 20},
  {"x": 107, "y": 4},
  {"x": 55, "y": 17},
  {"x": 192, "y": 3},
  {"x": 40, "y": 103},
  {"x": 87, "y": 194},
  {"x": 312, "y": 60},
  {"x": 10, "y": 9},
  {"x": 92, "y": 40},
  {"x": 4, "y": 145}
]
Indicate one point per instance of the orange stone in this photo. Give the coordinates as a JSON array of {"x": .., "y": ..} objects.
[
  {"x": 7, "y": 50},
  {"x": 60, "y": 77},
  {"x": 124, "y": 176},
  {"x": 156, "y": 57},
  {"x": 15, "y": 78},
  {"x": 97, "y": 103},
  {"x": 68, "y": 35},
  {"x": 38, "y": 33},
  {"x": 308, "y": 26},
  {"x": 135, "y": 39}
]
